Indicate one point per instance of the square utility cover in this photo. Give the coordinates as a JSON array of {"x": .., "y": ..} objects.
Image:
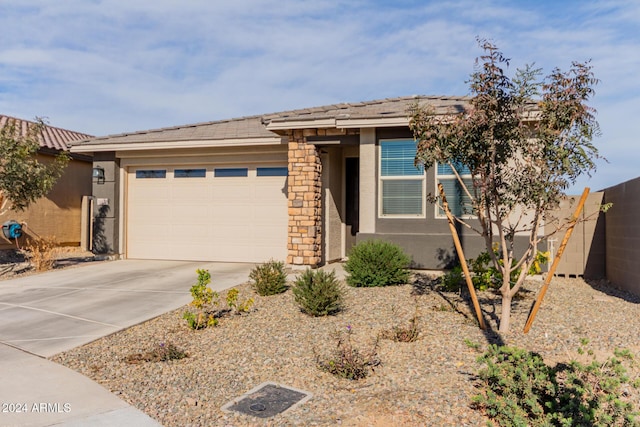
[{"x": 267, "y": 399}]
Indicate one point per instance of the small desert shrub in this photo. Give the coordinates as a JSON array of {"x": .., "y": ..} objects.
[
  {"x": 41, "y": 252},
  {"x": 452, "y": 280},
  {"x": 347, "y": 361},
  {"x": 235, "y": 305},
  {"x": 377, "y": 263},
  {"x": 269, "y": 278},
  {"x": 519, "y": 389},
  {"x": 200, "y": 314},
  {"x": 408, "y": 333},
  {"x": 318, "y": 293},
  {"x": 162, "y": 353}
]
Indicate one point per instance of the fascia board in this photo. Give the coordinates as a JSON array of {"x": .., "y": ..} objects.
[
  {"x": 372, "y": 123},
  {"x": 131, "y": 146},
  {"x": 302, "y": 124}
]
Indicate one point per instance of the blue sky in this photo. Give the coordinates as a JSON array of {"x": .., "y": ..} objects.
[{"x": 112, "y": 66}]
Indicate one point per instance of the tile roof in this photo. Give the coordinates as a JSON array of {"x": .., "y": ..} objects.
[
  {"x": 244, "y": 127},
  {"x": 51, "y": 137},
  {"x": 255, "y": 126},
  {"x": 383, "y": 108}
]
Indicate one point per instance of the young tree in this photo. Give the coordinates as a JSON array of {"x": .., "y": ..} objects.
[
  {"x": 24, "y": 179},
  {"x": 524, "y": 141}
]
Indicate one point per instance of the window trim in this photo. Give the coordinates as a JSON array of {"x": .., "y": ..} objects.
[
  {"x": 437, "y": 213},
  {"x": 417, "y": 177}
]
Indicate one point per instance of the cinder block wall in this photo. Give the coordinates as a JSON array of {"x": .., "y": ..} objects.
[{"x": 622, "y": 225}]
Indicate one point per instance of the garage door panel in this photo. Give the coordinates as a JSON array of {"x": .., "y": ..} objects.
[{"x": 240, "y": 218}]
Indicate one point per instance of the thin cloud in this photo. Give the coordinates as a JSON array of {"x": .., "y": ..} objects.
[{"x": 108, "y": 66}]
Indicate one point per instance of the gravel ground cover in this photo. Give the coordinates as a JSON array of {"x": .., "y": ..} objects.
[{"x": 428, "y": 382}]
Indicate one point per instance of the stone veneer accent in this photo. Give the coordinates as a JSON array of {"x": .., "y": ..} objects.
[{"x": 304, "y": 244}]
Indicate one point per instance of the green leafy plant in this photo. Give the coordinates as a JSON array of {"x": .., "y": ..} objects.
[
  {"x": 472, "y": 345},
  {"x": 484, "y": 275},
  {"x": 235, "y": 305},
  {"x": 452, "y": 280},
  {"x": 162, "y": 353},
  {"x": 377, "y": 263},
  {"x": 200, "y": 314},
  {"x": 24, "y": 177},
  {"x": 520, "y": 142},
  {"x": 200, "y": 319},
  {"x": 318, "y": 293},
  {"x": 269, "y": 278},
  {"x": 519, "y": 389},
  {"x": 347, "y": 361}
]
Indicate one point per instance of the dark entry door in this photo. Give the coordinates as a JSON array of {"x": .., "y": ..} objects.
[{"x": 352, "y": 200}]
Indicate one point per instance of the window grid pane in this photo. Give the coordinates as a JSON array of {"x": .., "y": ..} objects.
[
  {"x": 458, "y": 200},
  {"x": 190, "y": 173},
  {"x": 279, "y": 171},
  {"x": 398, "y": 157},
  {"x": 151, "y": 173},
  {"x": 445, "y": 169},
  {"x": 230, "y": 172},
  {"x": 402, "y": 197}
]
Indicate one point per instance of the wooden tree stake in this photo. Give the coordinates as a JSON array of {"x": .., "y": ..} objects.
[
  {"x": 556, "y": 261},
  {"x": 463, "y": 261}
]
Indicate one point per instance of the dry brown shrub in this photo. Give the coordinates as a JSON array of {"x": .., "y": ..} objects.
[{"x": 42, "y": 252}]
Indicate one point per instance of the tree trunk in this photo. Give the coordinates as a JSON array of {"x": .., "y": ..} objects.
[{"x": 505, "y": 317}]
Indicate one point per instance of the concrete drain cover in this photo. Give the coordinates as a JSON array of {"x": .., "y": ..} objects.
[{"x": 267, "y": 400}]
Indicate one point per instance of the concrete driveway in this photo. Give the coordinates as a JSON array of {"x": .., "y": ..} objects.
[
  {"x": 55, "y": 311},
  {"x": 44, "y": 314}
]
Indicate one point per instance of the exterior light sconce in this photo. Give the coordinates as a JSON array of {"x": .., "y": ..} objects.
[{"x": 98, "y": 174}]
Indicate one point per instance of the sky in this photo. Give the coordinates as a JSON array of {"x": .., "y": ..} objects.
[{"x": 111, "y": 66}]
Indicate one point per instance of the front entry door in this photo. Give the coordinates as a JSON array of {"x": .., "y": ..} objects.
[{"x": 352, "y": 201}]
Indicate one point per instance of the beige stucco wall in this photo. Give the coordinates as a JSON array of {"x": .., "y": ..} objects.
[{"x": 59, "y": 213}]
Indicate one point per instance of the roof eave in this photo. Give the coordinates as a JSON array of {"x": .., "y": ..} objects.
[{"x": 145, "y": 146}]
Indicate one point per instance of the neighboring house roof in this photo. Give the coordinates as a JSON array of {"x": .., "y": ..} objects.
[
  {"x": 52, "y": 138},
  {"x": 253, "y": 129}
]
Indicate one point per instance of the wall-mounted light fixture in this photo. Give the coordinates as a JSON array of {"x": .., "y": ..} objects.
[{"x": 98, "y": 174}]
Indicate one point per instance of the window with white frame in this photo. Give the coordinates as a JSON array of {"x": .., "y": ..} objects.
[
  {"x": 457, "y": 198},
  {"x": 402, "y": 184}
]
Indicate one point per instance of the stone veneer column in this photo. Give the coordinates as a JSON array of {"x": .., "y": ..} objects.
[{"x": 304, "y": 242}]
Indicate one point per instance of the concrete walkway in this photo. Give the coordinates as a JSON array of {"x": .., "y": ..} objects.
[{"x": 45, "y": 314}]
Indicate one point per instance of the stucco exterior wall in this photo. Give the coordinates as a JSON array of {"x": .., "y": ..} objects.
[
  {"x": 58, "y": 214},
  {"x": 584, "y": 253}
]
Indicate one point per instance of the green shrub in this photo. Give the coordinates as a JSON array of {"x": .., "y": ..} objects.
[
  {"x": 484, "y": 274},
  {"x": 318, "y": 293},
  {"x": 347, "y": 361},
  {"x": 200, "y": 314},
  {"x": 269, "y": 278},
  {"x": 519, "y": 389},
  {"x": 377, "y": 263},
  {"x": 235, "y": 305},
  {"x": 452, "y": 280}
]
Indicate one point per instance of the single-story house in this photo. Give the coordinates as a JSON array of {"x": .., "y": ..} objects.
[
  {"x": 301, "y": 186},
  {"x": 58, "y": 214}
]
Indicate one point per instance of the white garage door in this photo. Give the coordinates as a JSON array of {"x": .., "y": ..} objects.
[{"x": 207, "y": 213}]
